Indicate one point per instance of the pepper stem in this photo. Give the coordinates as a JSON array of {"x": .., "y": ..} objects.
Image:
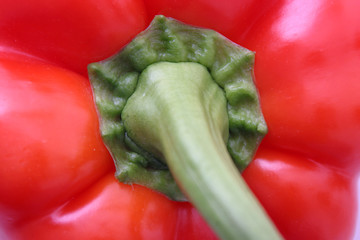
[{"x": 178, "y": 114}]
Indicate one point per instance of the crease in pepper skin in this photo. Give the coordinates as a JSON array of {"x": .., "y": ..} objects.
[{"x": 180, "y": 114}]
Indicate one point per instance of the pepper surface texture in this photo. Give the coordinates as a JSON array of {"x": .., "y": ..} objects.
[{"x": 57, "y": 176}]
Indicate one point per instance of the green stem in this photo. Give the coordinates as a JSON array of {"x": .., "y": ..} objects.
[{"x": 178, "y": 114}]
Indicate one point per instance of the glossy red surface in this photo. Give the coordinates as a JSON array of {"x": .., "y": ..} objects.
[{"x": 57, "y": 175}]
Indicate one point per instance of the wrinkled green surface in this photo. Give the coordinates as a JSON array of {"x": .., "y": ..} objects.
[{"x": 114, "y": 80}]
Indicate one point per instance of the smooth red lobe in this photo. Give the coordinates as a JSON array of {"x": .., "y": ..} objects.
[
  {"x": 307, "y": 71},
  {"x": 50, "y": 144},
  {"x": 304, "y": 199},
  {"x": 112, "y": 210},
  {"x": 70, "y": 33},
  {"x": 230, "y": 17}
]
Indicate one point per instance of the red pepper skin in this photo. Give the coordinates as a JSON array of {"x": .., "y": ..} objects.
[
  {"x": 70, "y": 33},
  {"x": 308, "y": 53},
  {"x": 229, "y": 18},
  {"x": 50, "y": 148},
  {"x": 307, "y": 58},
  {"x": 109, "y": 210},
  {"x": 55, "y": 184},
  {"x": 306, "y": 200}
]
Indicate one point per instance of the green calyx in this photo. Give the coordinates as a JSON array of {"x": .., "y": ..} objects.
[
  {"x": 180, "y": 114},
  {"x": 166, "y": 40}
]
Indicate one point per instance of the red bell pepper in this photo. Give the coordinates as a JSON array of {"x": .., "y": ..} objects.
[{"x": 58, "y": 177}]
